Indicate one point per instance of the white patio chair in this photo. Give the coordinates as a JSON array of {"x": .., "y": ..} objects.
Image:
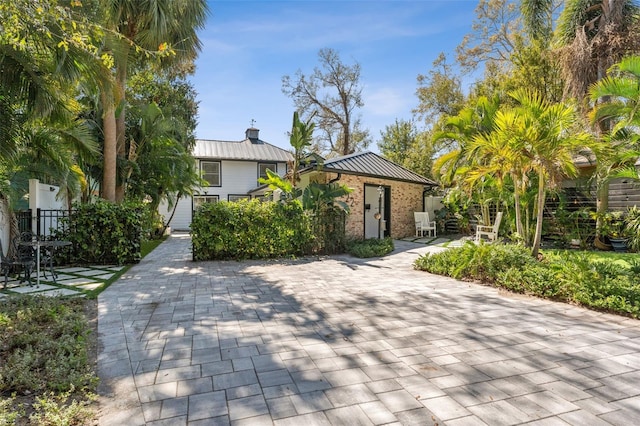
[
  {"x": 424, "y": 225},
  {"x": 489, "y": 231}
]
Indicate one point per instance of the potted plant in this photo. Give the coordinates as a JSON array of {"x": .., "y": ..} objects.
[{"x": 616, "y": 231}]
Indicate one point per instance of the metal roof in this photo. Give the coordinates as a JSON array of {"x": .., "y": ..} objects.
[
  {"x": 248, "y": 149},
  {"x": 370, "y": 164}
]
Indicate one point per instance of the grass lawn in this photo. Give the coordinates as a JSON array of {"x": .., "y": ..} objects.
[{"x": 622, "y": 259}]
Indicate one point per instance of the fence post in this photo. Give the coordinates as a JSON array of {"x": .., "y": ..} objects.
[{"x": 38, "y": 218}]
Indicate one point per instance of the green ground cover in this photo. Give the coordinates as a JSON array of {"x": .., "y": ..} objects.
[
  {"x": 598, "y": 280},
  {"x": 48, "y": 357}
]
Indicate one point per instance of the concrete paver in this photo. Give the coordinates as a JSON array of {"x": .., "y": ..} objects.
[{"x": 338, "y": 340}]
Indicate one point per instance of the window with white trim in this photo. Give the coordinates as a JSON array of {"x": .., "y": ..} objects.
[
  {"x": 199, "y": 200},
  {"x": 210, "y": 171}
]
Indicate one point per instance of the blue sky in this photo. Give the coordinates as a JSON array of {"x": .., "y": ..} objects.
[{"x": 249, "y": 45}]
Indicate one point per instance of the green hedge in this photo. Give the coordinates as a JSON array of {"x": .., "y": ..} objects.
[
  {"x": 103, "y": 233},
  {"x": 250, "y": 229},
  {"x": 564, "y": 276}
]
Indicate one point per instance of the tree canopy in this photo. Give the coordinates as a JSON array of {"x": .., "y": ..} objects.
[{"x": 331, "y": 96}]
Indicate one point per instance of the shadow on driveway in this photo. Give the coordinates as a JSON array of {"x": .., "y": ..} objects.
[{"x": 339, "y": 340}]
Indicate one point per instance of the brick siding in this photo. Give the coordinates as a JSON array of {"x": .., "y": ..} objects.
[{"x": 406, "y": 198}]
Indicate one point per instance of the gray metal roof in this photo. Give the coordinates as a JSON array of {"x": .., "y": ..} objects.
[
  {"x": 370, "y": 164},
  {"x": 248, "y": 149}
]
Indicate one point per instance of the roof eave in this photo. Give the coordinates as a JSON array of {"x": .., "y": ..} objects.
[{"x": 348, "y": 172}]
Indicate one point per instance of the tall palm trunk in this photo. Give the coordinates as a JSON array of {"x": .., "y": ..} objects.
[
  {"x": 121, "y": 84},
  {"x": 109, "y": 149},
  {"x": 540, "y": 215},
  {"x": 516, "y": 197}
]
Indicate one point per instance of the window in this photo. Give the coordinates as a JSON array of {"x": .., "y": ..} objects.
[
  {"x": 199, "y": 200},
  {"x": 262, "y": 169},
  {"x": 238, "y": 197},
  {"x": 211, "y": 172}
]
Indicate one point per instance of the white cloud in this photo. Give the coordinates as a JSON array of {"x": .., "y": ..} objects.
[{"x": 386, "y": 102}]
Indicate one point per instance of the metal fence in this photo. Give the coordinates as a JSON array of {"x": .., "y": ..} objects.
[{"x": 47, "y": 222}]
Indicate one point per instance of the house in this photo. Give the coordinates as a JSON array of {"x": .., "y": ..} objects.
[
  {"x": 232, "y": 170},
  {"x": 379, "y": 186}
]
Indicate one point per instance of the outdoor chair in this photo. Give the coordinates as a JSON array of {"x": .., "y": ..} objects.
[
  {"x": 423, "y": 224},
  {"x": 24, "y": 255},
  {"x": 489, "y": 231},
  {"x": 15, "y": 265}
]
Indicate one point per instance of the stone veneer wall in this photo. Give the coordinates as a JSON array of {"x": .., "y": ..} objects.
[{"x": 406, "y": 198}]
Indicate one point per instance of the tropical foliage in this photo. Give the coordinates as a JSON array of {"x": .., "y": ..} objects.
[
  {"x": 519, "y": 132},
  {"x": 94, "y": 98},
  {"x": 612, "y": 285}
]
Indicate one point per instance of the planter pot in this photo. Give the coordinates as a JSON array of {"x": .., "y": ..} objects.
[
  {"x": 601, "y": 245},
  {"x": 618, "y": 244}
]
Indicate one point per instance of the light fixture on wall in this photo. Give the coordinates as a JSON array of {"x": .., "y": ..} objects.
[{"x": 51, "y": 189}]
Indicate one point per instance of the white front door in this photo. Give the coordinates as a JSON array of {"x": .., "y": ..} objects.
[{"x": 374, "y": 200}]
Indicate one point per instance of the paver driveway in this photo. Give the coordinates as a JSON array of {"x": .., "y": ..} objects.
[{"x": 345, "y": 341}]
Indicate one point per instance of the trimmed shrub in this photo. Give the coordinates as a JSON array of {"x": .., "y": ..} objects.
[
  {"x": 372, "y": 247},
  {"x": 103, "y": 233},
  {"x": 250, "y": 229},
  {"x": 478, "y": 262}
]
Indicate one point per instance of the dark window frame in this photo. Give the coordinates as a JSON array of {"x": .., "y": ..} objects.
[{"x": 267, "y": 163}]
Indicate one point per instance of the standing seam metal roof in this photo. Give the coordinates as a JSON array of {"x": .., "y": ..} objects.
[
  {"x": 248, "y": 149},
  {"x": 370, "y": 164}
]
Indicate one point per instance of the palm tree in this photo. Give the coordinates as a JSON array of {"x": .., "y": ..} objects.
[
  {"x": 552, "y": 137},
  {"x": 591, "y": 35},
  {"x": 40, "y": 65},
  {"x": 460, "y": 130},
  {"x": 503, "y": 154},
  {"x": 300, "y": 139},
  {"x": 616, "y": 97},
  {"x": 616, "y": 100},
  {"x": 155, "y": 26}
]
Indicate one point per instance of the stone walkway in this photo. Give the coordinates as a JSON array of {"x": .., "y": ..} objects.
[
  {"x": 71, "y": 281},
  {"x": 344, "y": 341}
]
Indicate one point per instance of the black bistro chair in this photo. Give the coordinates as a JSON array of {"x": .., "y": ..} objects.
[
  {"x": 25, "y": 255},
  {"x": 16, "y": 265}
]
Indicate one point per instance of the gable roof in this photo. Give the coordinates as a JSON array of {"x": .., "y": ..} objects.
[
  {"x": 248, "y": 149},
  {"x": 373, "y": 165}
]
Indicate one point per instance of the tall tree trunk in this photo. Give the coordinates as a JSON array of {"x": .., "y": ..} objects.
[
  {"x": 541, "y": 198},
  {"x": 109, "y": 149},
  {"x": 121, "y": 83},
  {"x": 173, "y": 212},
  {"x": 516, "y": 197}
]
